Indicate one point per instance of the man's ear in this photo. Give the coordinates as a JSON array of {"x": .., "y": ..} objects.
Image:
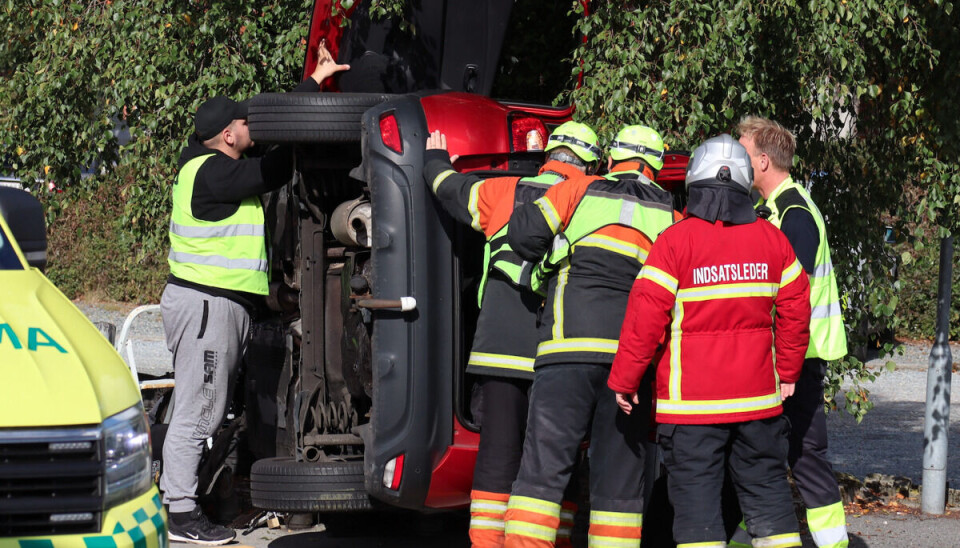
[{"x": 227, "y": 136}]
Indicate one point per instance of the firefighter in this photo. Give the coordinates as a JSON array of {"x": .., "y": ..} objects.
[
  {"x": 715, "y": 279},
  {"x": 771, "y": 148},
  {"x": 505, "y": 341},
  {"x": 594, "y": 233}
]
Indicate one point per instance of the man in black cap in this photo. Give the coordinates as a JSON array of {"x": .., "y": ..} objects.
[{"x": 218, "y": 273}]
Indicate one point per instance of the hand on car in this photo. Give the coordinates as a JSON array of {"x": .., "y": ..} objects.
[
  {"x": 786, "y": 390},
  {"x": 624, "y": 401},
  {"x": 326, "y": 66},
  {"x": 438, "y": 141}
]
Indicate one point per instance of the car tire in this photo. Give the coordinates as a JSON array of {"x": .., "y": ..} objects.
[
  {"x": 309, "y": 117},
  {"x": 285, "y": 485}
]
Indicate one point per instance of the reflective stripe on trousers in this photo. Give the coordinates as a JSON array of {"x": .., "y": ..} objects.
[
  {"x": 531, "y": 523},
  {"x": 486, "y": 518},
  {"x": 828, "y": 526},
  {"x": 615, "y": 529}
]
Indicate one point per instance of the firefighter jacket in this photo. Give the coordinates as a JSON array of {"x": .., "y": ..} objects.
[
  {"x": 715, "y": 285},
  {"x": 593, "y": 234},
  {"x": 505, "y": 341},
  {"x": 828, "y": 338}
]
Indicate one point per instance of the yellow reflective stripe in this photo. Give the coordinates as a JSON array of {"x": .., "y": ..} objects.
[
  {"x": 614, "y": 245},
  {"x": 505, "y": 361},
  {"x": 558, "y": 303},
  {"x": 835, "y": 537},
  {"x": 791, "y": 273},
  {"x": 718, "y": 407},
  {"x": 217, "y": 231},
  {"x": 596, "y": 541},
  {"x": 550, "y": 214},
  {"x": 538, "y": 506},
  {"x": 778, "y": 541},
  {"x": 492, "y": 506},
  {"x": 710, "y": 544},
  {"x": 824, "y": 311},
  {"x": 823, "y": 270},
  {"x": 579, "y": 344},
  {"x": 524, "y": 529},
  {"x": 660, "y": 278},
  {"x": 472, "y": 206},
  {"x": 676, "y": 333},
  {"x": 727, "y": 291},
  {"x": 441, "y": 178},
  {"x": 828, "y": 525},
  {"x": 486, "y": 523},
  {"x": 258, "y": 265},
  {"x": 620, "y": 519}
]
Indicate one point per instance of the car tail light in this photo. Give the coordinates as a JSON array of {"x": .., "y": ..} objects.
[
  {"x": 390, "y": 132},
  {"x": 527, "y": 134},
  {"x": 392, "y": 473}
]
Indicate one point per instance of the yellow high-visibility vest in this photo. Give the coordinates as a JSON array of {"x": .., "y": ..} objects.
[{"x": 227, "y": 254}]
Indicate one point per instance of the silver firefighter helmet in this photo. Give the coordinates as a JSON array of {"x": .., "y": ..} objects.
[{"x": 721, "y": 161}]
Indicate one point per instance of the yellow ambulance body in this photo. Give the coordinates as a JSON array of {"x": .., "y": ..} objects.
[{"x": 75, "y": 463}]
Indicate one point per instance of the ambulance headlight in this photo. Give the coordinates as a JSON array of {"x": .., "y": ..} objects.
[{"x": 126, "y": 456}]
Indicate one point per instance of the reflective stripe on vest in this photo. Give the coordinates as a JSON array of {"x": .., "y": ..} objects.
[
  {"x": 500, "y": 361},
  {"x": 227, "y": 254},
  {"x": 598, "y": 209},
  {"x": 497, "y": 253},
  {"x": 828, "y": 339}
]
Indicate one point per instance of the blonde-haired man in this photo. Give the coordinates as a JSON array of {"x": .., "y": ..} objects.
[{"x": 771, "y": 148}]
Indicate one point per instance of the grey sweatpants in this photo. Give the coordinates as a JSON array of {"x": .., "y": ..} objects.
[{"x": 208, "y": 336}]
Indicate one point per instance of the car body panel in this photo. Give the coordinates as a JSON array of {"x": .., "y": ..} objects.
[{"x": 413, "y": 352}]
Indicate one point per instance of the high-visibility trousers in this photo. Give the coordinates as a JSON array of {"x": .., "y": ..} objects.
[
  {"x": 503, "y": 416},
  {"x": 807, "y": 457},
  {"x": 695, "y": 458},
  {"x": 567, "y": 402}
]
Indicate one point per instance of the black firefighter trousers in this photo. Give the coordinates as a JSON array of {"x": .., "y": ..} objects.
[
  {"x": 807, "y": 457},
  {"x": 568, "y": 402},
  {"x": 694, "y": 456}
]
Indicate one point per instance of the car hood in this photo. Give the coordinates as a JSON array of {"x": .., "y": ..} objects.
[{"x": 56, "y": 368}]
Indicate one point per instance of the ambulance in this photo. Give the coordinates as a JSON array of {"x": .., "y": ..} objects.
[{"x": 75, "y": 462}]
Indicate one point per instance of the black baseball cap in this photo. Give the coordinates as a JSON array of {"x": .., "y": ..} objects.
[{"x": 217, "y": 113}]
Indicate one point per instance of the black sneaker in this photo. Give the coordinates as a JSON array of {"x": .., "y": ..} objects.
[{"x": 194, "y": 527}]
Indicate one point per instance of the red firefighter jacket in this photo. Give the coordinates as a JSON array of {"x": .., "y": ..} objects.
[{"x": 718, "y": 287}]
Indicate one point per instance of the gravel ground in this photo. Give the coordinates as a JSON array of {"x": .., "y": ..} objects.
[{"x": 890, "y": 438}]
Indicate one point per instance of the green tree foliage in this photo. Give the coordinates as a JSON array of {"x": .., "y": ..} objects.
[
  {"x": 866, "y": 86},
  {"x": 73, "y": 71}
]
